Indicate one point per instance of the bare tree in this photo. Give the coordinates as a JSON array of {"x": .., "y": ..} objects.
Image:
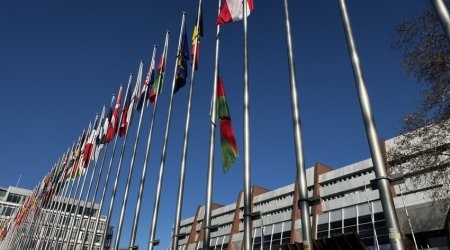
[{"x": 423, "y": 151}]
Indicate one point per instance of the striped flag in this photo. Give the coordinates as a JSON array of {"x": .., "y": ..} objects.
[{"x": 232, "y": 11}]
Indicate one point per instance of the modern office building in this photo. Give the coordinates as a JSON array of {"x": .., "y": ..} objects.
[
  {"x": 50, "y": 222},
  {"x": 348, "y": 204}
]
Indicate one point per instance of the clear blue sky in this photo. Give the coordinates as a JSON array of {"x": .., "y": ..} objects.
[{"x": 60, "y": 61}]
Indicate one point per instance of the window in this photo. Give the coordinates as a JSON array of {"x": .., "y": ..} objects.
[{"x": 14, "y": 198}]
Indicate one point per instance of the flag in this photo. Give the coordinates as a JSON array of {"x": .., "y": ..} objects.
[
  {"x": 197, "y": 33},
  {"x": 114, "y": 123},
  {"x": 130, "y": 103},
  {"x": 104, "y": 131},
  {"x": 182, "y": 59},
  {"x": 148, "y": 84},
  {"x": 227, "y": 139},
  {"x": 232, "y": 11},
  {"x": 160, "y": 70}
]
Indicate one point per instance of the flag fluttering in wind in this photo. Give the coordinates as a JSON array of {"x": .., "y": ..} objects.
[
  {"x": 232, "y": 11},
  {"x": 114, "y": 123},
  {"x": 197, "y": 33},
  {"x": 148, "y": 84},
  {"x": 130, "y": 104},
  {"x": 159, "y": 79},
  {"x": 182, "y": 59},
  {"x": 227, "y": 139}
]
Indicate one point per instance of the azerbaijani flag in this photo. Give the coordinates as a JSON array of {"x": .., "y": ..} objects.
[
  {"x": 227, "y": 139},
  {"x": 232, "y": 11}
]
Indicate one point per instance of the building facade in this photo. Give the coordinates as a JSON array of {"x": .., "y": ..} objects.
[
  {"x": 48, "y": 229},
  {"x": 348, "y": 204}
]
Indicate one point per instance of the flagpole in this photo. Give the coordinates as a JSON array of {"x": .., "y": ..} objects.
[
  {"x": 62, "y": 205},
  {"x": 66, "y": 200},
  {"x": 247, "y": 187},
  {"x": 48, "y": 217},
  {"x": 108, "y": 172},
  {"x": 133, "y": 156},
  {"x": 97, "y": 183},
  {"x": 298, "y": 139},
  {"x": 37, "y": 218},
  {"x": 119, "y": 167},
  {"x": 179, "y": 206},
  {"x": 212, "y": 139},
  {"x": 442, "y": 13},
  {"x": 372, "y": 137},
  {"x": 94, "y": 148},
  {"x": 152, "y": 241},
  {"x": 147, "y": 151},
  {"x": 80, "y": 195}
]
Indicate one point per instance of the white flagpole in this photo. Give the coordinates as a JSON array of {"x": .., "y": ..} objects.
[
  {"x": 179, "y": 206},
  {"x": 152, "y": 240},
  {"x": 212, "y": 137},
  {"x": 119, "y": 167},
  {"x": 372, "y": 136},
  {"x": 300, "y": 159},
  {"x": 444, "y": 17},
  {"x": 133, "y": 156},
  {"x": 147, "y": 151},
  {"x": 83, "y": 208},
  {"x": 247, "y": 166},
  {"x": 97, "y": 183},
  {"x": 80, "y": 195}
]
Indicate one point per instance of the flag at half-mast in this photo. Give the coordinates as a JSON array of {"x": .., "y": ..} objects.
[
  {"x": 114, "y": 121},
  {"x": 182, "y": 59},
  {"x": 197, "y": 34},
  {"x": 159, "y": 79},
  {"x": 233, "y": 10},
  {"x": 227, "y": 138},
  {"x": 130, "y": 104}
]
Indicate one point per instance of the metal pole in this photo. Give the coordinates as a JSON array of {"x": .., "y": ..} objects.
[
  {"x": 375, "y": 236},
  {"x": 407, "y": 216},
  {"x": 80, "y": 195},
  {"x": 133, "y": 157},
  {"x": 97, "y": 183},
  {"x": 147, "y": 152},
  {"x": 372, "y": 137},
  {"x": 119, "y": 167},
  {"x": 179, "y": 206},
  {"x": 442, "y": 13},
  {"x": 164, "y": 149},
  {"x": 108, "y": 172},
  {"x": 212, "y": 139},
  {"x": 83, "y": 208},
  {"x": 247, "y": 166},
  {"x": 298, "y": 140}
]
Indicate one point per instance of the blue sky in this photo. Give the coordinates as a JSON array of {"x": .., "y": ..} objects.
[{"x": 60, "y": 61}]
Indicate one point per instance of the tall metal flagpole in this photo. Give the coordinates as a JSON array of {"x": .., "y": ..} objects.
[
  {"x": 133, "y": 156},
  {"x": 119, "y": 167},
  {"x": 152, "y": 242},
  {"x": 212, "y": 137},
  {"x": 80, "y": 195},
  {"x": 300, "y": 160},
  {"x": 66, "y": 204},
  {"x": 147, "y": 151},
  {"x": 83, "y": 208},
  {"x": 444, "y": 17},
  {"x": 108, "y": 172},
  {"x": 179, "y": 206},
  {"x": 247, "y": 188},
  {"x": 97, "y": 183},
  {"x": 372, "y": 137}
]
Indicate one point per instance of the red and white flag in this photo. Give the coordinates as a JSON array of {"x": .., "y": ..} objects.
[{"x": 232, "y": 11}]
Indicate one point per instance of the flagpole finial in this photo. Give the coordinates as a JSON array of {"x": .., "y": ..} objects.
[
  {"x": 155, "y": 46},
  {"x": 121, "y": 85},
  {"x": 167, "y": 31},
  {"x": 183, "y": 13},
  {"x": 142, "y": 61}
]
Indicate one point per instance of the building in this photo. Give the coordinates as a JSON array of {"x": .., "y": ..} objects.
[
  {"x": 51, "y": 222},
  {"x": 348, "y": 204}
]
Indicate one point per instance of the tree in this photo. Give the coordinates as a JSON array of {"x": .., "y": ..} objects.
[{"x": 424, "y": 146}]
